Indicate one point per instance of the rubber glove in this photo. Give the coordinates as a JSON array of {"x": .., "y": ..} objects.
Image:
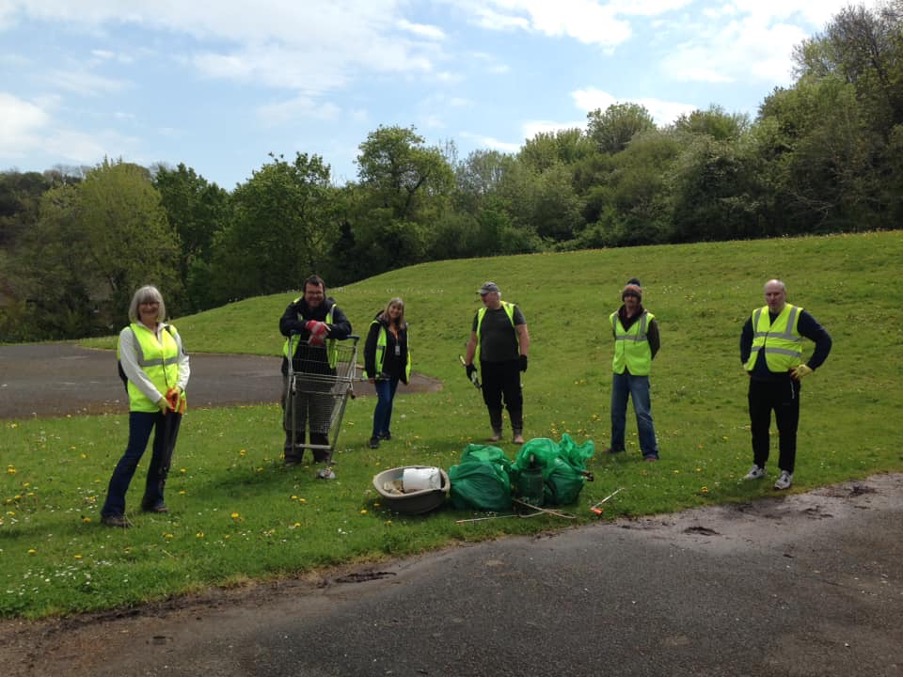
[
  {"x": 176, "y": 399},
  {"x": 523, "y": 363},
  {"x": 318, "y": 332},
  {"x": 800, "y": 372},
  {"x": 163, "y": 405}
]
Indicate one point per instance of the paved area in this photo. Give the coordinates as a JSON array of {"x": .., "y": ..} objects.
[
  {"x": 57, "y": 379},
  {"x": 791, "y": 585}
]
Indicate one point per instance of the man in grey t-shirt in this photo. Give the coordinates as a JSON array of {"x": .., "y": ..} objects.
[{"x": 500, "y": 342}]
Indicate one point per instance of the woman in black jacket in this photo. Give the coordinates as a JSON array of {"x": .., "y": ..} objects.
[{"x": 387, "y": 361}]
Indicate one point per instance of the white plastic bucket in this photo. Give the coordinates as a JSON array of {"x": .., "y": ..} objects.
[{"x": 416, "y": 479}]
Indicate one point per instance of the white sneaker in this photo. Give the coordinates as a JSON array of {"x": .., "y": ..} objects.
[
  {"x": 755, "y": 473},
  {"x": 784, "y": 481}
]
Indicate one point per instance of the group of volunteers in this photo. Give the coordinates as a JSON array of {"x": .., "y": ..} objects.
[{"x": 156, "y": 370}]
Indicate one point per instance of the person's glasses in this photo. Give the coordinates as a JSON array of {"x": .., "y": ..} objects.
[{"x": 150, "y": 303}]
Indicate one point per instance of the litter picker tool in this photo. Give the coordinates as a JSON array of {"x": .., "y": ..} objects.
[
  {"x": 548, "y": 511},
  {"x": 596, "y": 508},
  {"x": 473, "y": 375}
]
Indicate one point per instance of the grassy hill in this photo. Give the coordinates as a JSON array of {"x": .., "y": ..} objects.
[{"x": 238, "y": 515}]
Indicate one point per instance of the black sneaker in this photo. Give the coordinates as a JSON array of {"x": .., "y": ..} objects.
[
  {"x": 374, "y": 443},
  {"x": 115, "y": 521},
  {"x": 386, "y": 436}
]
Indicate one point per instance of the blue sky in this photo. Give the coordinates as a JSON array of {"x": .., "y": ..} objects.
[{"x": 220, "y": 84}]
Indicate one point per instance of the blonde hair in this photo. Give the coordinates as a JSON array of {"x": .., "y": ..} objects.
[
  {"x": 143, "y": 295},
  {"x": 395, "y": 301}
]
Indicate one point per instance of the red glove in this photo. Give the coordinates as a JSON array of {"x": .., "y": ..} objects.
[
  {"x": 176, "y": 400},
  {"x": 318, "y": 332}
]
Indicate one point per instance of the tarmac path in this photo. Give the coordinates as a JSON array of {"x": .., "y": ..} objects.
[{"x": 791, "y": 585}]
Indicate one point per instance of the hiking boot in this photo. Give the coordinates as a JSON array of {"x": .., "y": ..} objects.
[
  {"x": 154, "y": 508},
  {"x": 386, "y": 436},
  {"x": 115, "y": 521},
  {"x": 755, "y": 473},
  {"x": 784, "y": 481},
  {"x": 374, "y": 443}
]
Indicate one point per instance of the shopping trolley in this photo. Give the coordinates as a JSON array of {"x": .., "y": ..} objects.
[{"x": 319, "y": 381}]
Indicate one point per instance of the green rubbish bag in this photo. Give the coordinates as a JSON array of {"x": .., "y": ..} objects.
[
  {"x": 563, "y": 465},
  {"x": 482, "y": 480}
]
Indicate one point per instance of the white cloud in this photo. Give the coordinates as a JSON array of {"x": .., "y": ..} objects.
[
  {"x": 422, "y": 30},
  {"x": 83, "y": 82},
  {"x": 662, "y": 112},
  {"x": 299, "y": 107},
  {"x": 23, "y": 122},
  {"x": 492, "y": 143}
]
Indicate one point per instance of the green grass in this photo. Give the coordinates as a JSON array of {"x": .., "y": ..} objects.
[{"x": 237, "y": 515}]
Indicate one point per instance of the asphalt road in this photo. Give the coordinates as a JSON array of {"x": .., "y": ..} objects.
[{"x": 791, "y": 585}]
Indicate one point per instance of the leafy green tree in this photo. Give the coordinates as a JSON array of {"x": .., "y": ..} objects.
[
  {"x": 197, "y": 209},
  {"x": 129, "y": 241},
  {"x": 94, "y": 243},
  {"x": 548, "y": 149},
  {"x": 612, "y": 130},
  {"x": 402, "y": 175},
  {"x": 282, "y": 229},
  {"x": 632, "y": 198},
  {"x": 404, "y": 190},
  {"x": 714, "y": 122}
]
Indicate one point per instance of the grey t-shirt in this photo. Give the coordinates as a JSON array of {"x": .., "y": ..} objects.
[{"x": 498, "y": 339}]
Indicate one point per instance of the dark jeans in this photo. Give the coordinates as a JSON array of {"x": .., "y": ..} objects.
[
  {"x": 166, "y": 430},
  {"x": 782, "y": 397},
  {"x": 624, "y": 385},
  {"x": 386, "y": 389},
  {"x": 502, "y": 385}
]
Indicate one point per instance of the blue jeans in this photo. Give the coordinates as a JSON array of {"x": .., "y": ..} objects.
[
  {"x": 638, "y": 388},
  {"x": 140, "y": 426},
  {"x": 386, "y": 389}
]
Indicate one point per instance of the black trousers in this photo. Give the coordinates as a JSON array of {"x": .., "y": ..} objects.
[
  {"x": 502, "y": 386},
  {"x": 783, "y": 398}
]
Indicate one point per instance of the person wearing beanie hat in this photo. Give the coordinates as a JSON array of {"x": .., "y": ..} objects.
[
  {"x": 636, "y": 335},
  {"x": 499, "y": 342}
]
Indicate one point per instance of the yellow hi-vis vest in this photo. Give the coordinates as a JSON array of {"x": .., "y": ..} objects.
[
  {"x": 332, "y": 349},
  {"x": 780, "y": 340},
  {"x": 381, "y": 352},
  {"x": 509, "y": 311},
  {"x": 158, "y": 359},
  {"x": 632, "y": 350}
]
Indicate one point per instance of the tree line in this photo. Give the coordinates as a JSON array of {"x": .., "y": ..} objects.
[{"x": 822, "y": 156}]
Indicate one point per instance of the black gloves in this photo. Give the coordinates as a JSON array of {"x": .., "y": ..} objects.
[
  {"x": 523, "y": 360},
  {"x": 470, "y": 370}
]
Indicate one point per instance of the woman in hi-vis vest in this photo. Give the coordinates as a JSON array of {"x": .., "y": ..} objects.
[
  {"x": 156, "y": 369},
  {"x": 387, "y": 361}
]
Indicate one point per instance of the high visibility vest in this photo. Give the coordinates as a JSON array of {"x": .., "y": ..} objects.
[
  {"x": 332, "y": 349},
  {"x": 632, "y": 349},
  {"x": 158, "y": 359},
  {"x": 780, "y": 340},
  {"x": 509, "y": 311},
  {"x": 381, "y": 352}
]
